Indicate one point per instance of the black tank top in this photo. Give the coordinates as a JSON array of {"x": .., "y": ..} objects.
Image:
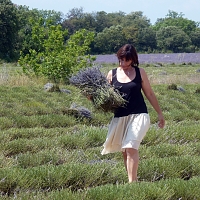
[{"x": 131, "y": 92}]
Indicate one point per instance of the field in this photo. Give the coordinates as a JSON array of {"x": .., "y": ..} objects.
[
  {"x": 170, "y": 58},
  {"x": 47, "y": 152}
]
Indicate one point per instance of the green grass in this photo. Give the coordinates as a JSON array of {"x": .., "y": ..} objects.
[{"x": 48, "y": 154}]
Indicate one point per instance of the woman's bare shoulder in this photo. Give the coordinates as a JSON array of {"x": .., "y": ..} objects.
[
  {"x": 143, "y": 73},
  {"x": 141, "y": 70}
]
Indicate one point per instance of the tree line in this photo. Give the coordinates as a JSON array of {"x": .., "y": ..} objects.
[{"x": 18, "y": 36}]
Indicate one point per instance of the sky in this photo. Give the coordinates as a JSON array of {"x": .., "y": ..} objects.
[{"x": 152, "y": 9}]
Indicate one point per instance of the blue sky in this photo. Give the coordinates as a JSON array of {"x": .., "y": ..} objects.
[{"x": 153, "y": 9}]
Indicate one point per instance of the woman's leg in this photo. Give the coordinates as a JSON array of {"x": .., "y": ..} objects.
[
  {"x": 125, "y": 159},
  {"x": 131, "y": 161}
]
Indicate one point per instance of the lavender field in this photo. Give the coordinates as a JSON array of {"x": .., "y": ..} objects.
[
  {"x": 48, "y": 151},
  {"x": 155, "y": 58}
]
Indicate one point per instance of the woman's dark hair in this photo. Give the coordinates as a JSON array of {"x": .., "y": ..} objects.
[{"x": 128, "y": 52}]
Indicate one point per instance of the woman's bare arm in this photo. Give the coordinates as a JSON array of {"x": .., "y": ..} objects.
[
  {"x": 109, "y": 76},
  {"x": 150, "y": 95}
]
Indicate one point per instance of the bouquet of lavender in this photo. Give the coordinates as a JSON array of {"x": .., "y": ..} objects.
[{"x": 93, "y": 83}]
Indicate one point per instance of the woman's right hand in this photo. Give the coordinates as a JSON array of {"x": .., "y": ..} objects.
[{"x": 161, "y": 121}]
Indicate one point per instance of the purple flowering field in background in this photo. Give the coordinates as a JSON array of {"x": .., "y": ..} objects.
[{"x": 155, "y": 58}]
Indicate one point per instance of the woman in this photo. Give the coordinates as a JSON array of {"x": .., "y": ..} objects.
[{"x": 130, "y": 122}]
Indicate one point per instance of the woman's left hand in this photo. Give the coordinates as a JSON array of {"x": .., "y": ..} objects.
[{"x": 89, "y": 97}]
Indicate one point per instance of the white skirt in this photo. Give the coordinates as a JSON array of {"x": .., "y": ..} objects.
[{"x": 126, "y": 132}]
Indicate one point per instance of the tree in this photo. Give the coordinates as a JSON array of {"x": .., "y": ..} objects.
[
  {"x": 9, "y": 26},
  {"x": 131, "y": 35},
  {"x": 172, "y": 38},
  {"x": 95, "y": 21},
  {"x": 109, "y": 40},
  {"x": 27, "y": 18},
  {"x": 134, "y": 25},
  {"x": 116, "y": 18},
  {"x": 102, "y": 21},
  {"x": 55, "y": 59},
  {"x": 88, "y": 22},
  {"x": 175, "y": 19},
  {"x": 174, "y": 15},
  {"x": 73, "y": 21},
  {"x": 195, "y": 37},
  {"x": 146, "y": 40},
  {"x": 136, "y": 19}
]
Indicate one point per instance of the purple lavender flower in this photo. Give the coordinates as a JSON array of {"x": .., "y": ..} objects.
[{"x": 94, "y": 84}]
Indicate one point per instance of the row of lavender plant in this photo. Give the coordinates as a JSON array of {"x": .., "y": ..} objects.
[{"x": 155, "y": 58}]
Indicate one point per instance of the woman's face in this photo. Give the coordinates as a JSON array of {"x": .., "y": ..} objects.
[{"x": 124, "y": 63}]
